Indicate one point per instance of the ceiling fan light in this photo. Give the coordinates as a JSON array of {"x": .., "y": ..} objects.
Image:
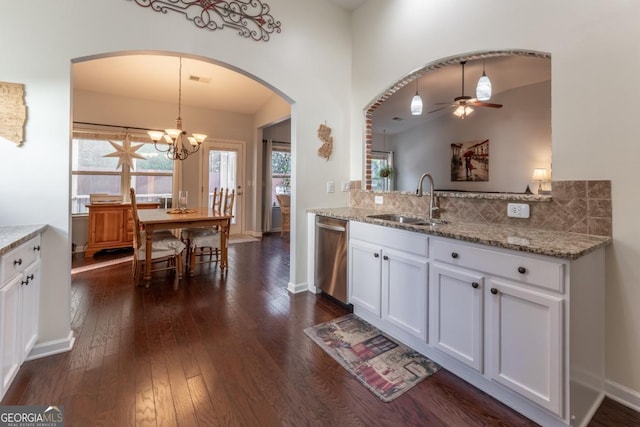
[
  {"x": 483, "y": 89},
  {"x": 463, "y": 111},
  {"x": 416, "y": 105}
]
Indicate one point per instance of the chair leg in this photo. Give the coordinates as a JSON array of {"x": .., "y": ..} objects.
[{"x": 178, "y": 261}]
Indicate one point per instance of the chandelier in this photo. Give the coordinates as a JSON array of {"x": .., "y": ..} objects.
[{"x": 177, "y": 145}]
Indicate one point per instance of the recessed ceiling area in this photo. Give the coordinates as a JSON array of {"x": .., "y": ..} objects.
[
  {"x": 155, "y": 78},
  {"x": 444, "y": 84}
]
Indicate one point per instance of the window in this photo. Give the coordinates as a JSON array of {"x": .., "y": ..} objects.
[
  {"x": 91, "y": 172},
  {"x": 380, "y": 160},
  {"x": 280, "y": 170}
]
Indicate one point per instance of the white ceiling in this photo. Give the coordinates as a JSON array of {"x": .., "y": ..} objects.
[
  {"x": 444, "y": 84},
  {"x": 155, "y": 78}
]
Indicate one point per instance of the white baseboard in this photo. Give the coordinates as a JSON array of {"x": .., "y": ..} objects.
[
  {"x": 622, "y": 394},
  {"x": 256, "y": 234},
  {"x": 297, "y": 288},
  {"x": 49, "y": 348}
]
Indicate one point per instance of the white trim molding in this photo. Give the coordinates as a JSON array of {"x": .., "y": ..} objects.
[
  {"x": 297, "y": 288},
  {"x": 49, "y": 348},
  {"x": 622, "y": 394}
]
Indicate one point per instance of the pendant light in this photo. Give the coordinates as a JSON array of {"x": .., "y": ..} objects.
[
  {"x": 178, "y": 145},
  {"x": 416, "y": 102},
  {"x": 483, "y": 89}
]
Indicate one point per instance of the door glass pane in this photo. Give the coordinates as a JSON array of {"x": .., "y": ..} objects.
[{"x": 223, "y": 169}]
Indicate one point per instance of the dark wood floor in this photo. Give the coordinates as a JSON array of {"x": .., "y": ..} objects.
[{"x": 229, "y": 351}]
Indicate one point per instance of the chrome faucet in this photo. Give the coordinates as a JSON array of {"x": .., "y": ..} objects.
[{"x": 432, "y": 197}]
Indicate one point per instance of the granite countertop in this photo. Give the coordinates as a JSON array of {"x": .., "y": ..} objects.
[
  {"x": 12, "y": 236},
  {"x": 558, "y": 244}
]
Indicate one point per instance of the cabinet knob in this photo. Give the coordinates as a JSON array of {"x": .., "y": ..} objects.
[
  {"x": 385, "y": 258},
  {"x": 17, "y": 262},
  {"x": 522, "y": 270},
  {"x": 30, "y": 277},
  {"x": 376, "y": 255},
  {"x": 25, "y": 282},
  {"x": 475, "y": 285},
  {"x": 494, "y": 291},
  {"x": 36, "y": 248},
  {"x": 454, "y": 255}
]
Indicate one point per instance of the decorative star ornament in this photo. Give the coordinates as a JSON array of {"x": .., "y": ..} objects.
[{"x": 125, "y": 153}]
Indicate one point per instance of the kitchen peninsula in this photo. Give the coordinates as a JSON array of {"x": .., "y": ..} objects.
[{"x": 517, "y": 312}]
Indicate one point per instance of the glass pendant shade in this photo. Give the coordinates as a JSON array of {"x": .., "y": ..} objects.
[
  {"x": 416, "y": 105},
  {"x": 483, "y": 89}
]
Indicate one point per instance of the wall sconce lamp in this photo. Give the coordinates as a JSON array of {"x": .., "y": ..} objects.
[{"x": 540, "y": 175}]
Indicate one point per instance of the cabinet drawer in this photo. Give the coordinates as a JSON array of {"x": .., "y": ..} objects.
[
  {"x": 546, "y": 274},
  {"x": 18, "y": 259},
  {"x": 388, "y": 237}
]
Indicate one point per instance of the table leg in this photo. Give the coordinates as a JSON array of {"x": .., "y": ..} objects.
[
  {"x": 223, "y": 242},
  {"x": 147, "y": 253}
]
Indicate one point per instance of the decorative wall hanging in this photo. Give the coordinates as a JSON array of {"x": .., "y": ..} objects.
[
  {"x": 470, "y": 161},
  {"x": 13, "y": 112},
  {"x": 125, "y": 153},
  {"x": 250, "y": 17},
  {"x": 324, "y": 134}
]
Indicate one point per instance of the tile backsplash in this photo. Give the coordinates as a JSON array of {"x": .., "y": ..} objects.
[{"x": 574, "y": 206}]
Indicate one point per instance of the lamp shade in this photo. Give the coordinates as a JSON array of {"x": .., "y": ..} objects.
[
  {"x": 540, "y": 174},
  {"x": 483, "y": 89},
  {"x": 416, "y": 105}
]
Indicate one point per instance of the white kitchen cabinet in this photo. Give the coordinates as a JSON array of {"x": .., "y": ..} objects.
[
  {"x": 10, "y": 355},
  {"x": 19, "y": 307},
  {"x": 388, "y": 273},
  {"x": 364, "y": 271},
  {"x": 456, "y": 313},
  {"x": 525, "y": 334},
  {"x": 523, "y": 322},
  {"x": 404, "y": 290}
]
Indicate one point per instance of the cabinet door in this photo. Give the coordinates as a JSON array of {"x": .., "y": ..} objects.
[
  {"x": 526, "y": 336},
  {"x": 364, "y": 275},
  {"x": 404, "y": 289},
  {"x": 456, "y": 314},
  {"x": 30, "y": 308},
  {"x": 9, "y": 332},
  {"x": 106, "y": 226}
]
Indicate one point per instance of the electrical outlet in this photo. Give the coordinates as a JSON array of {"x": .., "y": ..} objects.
[
  {"x": 331, "y": 187},
  {"x": 345, "y": 186},
  {"x": 378, "y": 200},
  {"x": 518, "y": 210}
]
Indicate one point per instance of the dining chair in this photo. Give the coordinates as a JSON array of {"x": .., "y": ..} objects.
[
  {"x": 165, "y": 247},
  {"x": 284, "y": 200},
  {"x": 206, "y": 242}
]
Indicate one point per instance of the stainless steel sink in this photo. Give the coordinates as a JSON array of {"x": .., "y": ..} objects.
[{"x": 404, "y": 219}]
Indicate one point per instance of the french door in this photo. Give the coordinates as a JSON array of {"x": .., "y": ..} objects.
[{"x": 224, "y": 168}]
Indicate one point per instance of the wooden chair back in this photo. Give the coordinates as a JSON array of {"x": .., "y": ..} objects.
[
  {"x": 137, "y": 238},
  {"x": 227, "y": 203}
]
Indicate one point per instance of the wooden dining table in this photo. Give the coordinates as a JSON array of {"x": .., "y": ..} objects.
[{"x": 163, "y": 219}]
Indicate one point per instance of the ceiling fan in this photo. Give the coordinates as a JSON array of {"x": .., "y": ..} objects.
[{"x": 463, "y": 103}]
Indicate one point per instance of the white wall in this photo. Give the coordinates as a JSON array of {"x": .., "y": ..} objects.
[
  {"x": 519, "y": 137},
  {"x": 593, "y": 46},
  {"x": 309, "y": 62}
]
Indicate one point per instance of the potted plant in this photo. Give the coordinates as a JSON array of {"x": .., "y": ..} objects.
[{"x": 386, "y": 172}]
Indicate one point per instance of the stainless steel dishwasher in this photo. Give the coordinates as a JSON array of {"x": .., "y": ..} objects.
[{"x": 331, "y": 257}]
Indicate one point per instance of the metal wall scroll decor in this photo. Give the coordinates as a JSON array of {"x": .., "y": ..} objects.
[{"x": 250, "y": 17}]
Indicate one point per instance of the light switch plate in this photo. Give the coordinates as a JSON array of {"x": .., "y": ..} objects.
[
  {"x": 345, "y": 186},
  {"x": 378, "y": 200},
  {"x": 331, "y": 187},
  {"x": 518, "y": 210}
]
